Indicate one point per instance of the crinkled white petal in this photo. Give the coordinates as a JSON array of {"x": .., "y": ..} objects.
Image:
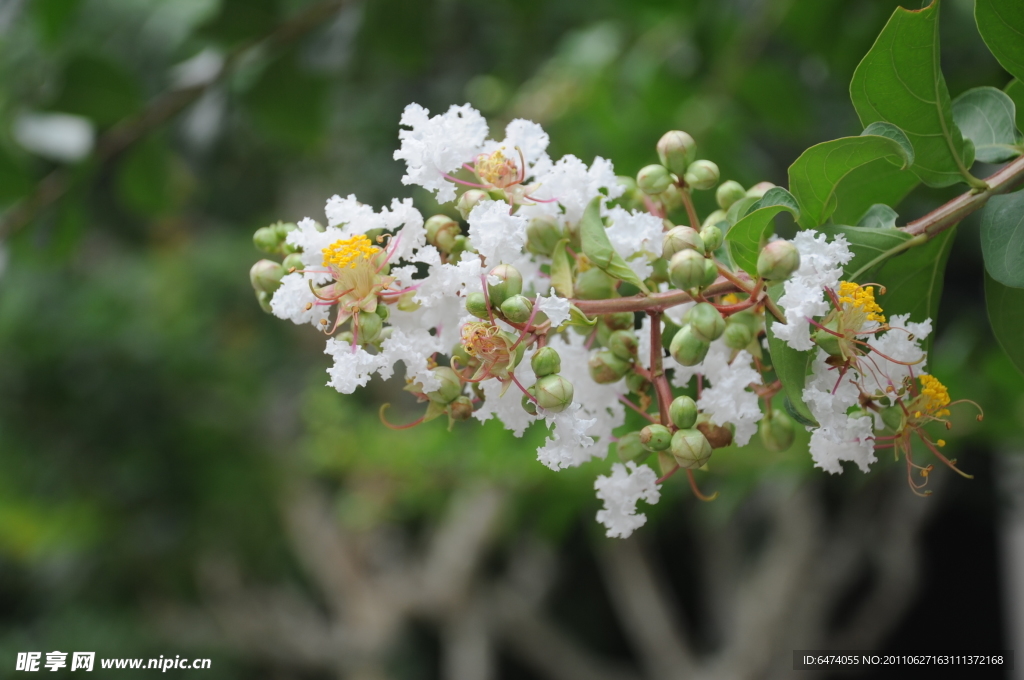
[
  {"x": 435, "y": 146},
  {"x": 838, "y": 437},
  {"x": 529, "y": 137},
  {"x": 295, "y": 302},
  {"x": 879, "y": 371},
  {"x": 850, "y": 440},
  {"x": 620, "y": 492},
  {"x": 352, "y": 216},
  {"x": 495, "y": 234},
  {"x": 508, "y": 407},
  {"x": 803, "y": 293},
  {"x": 311, "y": 242},
  {"x": 406, "y": 223},
  {"x": 634, "y": 232},
  {"x": 413, "y": 348},
  {"x": 573, "y": 185},
  {"x": 556, "y": 308},
  {"x": 352, "y": 367},
  {"x": 569, "y": 445}
]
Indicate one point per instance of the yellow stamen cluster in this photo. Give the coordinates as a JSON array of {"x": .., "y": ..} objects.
[
  {"x": 861, "y": 298},
  {"x": 730, "y": 299},
  {"x": 934, "y": 397},
  {"x": 349, "y": 252},
  {"x": 496, "y": 169}
]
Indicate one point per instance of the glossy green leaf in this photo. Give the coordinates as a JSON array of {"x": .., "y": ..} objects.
[
  {"x": 899, "y": 81},
  {"x": 1002, "y": 238},
  {"x": 1001, "y": 24},
  {"x": 1006, "y": 315},
  {"x": 986, "y": 116},
  {"x": 746, "y": 238},
  {"x": 1015, "y": 91},
  {"x": 879, "y": 216},
  {"x": 790, "y": 365},
  {"x": 740, "y": 208},
  {"x": 578, "y": 318},
  {"x": 816, "y": 174},
  {"x": 877, "y": 183},
  {"x": 869, "y": 246},
  {"x": 596, "y": 246},
  {"x": 561, "y": 269}
]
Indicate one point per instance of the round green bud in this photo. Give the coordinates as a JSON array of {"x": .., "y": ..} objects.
[
  {"x": 462, "y": 357},
  {"x": 263, "y": 298},
  {"x": 629, "y": 447},
  {"x": 747, "y": 318},
  {"x": 715, "y": 218},
  {"x": 266, "y": 275},
  {"x": 687, "y": 347},
  {"x": 603, "y": 333},
  {"x": 266, "y": 239},
  {"x": 623, "y": 344},
  {"x": 282, "y": 229},
  {"x": 636, "y": 383},
  {"x": 510, "y": 282},
  {"x": 545, "y": 362},
  {"x": 686, "y": 269},
  {"x": 728, "y": 193},
  {"x": 383, "y": 311},
  {"x": 367, "y": 327},
  {"x": 461, "y": 408},
  {"x": 719, "y": 436},
  {"x": 710, "y": 272},
  {"x": 293, "y": 262},
  {"x": 737, "y": 336},
  {"x": 441, "y": 232},
  {"x": 605, "y": 367},
  {"x": 653, "y": 179},
  {"x": 619, "y": 321},
  {"x": 450, "y": 389},
  {"x": 553, "y": 392},
  {"x": 777, "y": 431},
  {"x": 712, "y": 237},
  {"x": 707, "y": 322},
  {"x": 894, "y": 418},
  {"x": 529, "y": 405},
  {"x": 462, "y": 244},
  {"x": 345, "y": 337},
  {"x": 542, "y": 235},
  {"x": 690, "y": 448},
  {"x": 759, "y": 189},
  {"x": 778, "y": 260},
  {"x": 517, "y": 308},
  {"x": 476, "y": 304},
  {"x": 676, "y": 150},
  {"x": 701, "y": 175},
  {"x": 594, "y": 284},
  {"x": 656, "y": 437},
  {"x": 683, "y": 412},
  {"x": 672, "y": 198},
  {"x": 678, "y": 239},
  {"x": 469, "y": 200}
]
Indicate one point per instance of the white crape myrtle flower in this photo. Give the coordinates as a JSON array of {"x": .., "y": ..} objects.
[
  {"x": 902, "y": 343},
  {"x": 495, "y": 234},
  {"x": 439, "y": 145},
  {"x": 508, "y": 407},
  {"x": 353, "y": 366},
  {"x": 526, "y": 136},
  {"x": 638, "y": 234},
  {"x": 573, "y": 185},
  {"x": 569, "y": 445},
  {"x": 803, "y": 293},
  {"x": 556, "y": 308},
  {"x": 295, "y": 302},
  {"x": 620, "y": 493},
  {"x": 838, "y": 437}
]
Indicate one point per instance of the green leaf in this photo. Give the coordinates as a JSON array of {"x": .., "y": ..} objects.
[
  {"x": 878, "y": 216},
  {"x": 986, "y": 116},
  {"x": 561, "y": 270},
  {"x": 899, "y": 82},
  {"x": 145, "y": 181},
  {"x": 790, "y": 365},
  {"x": 740, "y": 208},
  {"x": 98, "y": 89},
  {"x": 578, "y": 318},
  {"x": 596, "y": 246},
  {"x": 878, "y": 182},
  {"x": 1001, "y": 24},
  {"x": 1002, "y": 238},
  {"x": 53, "y": 18},
  {"x": 868, "y": 245},
  {"x": 1015, "y": 91},
  {"x": 746, "y": 238},
  {"x": 290, "y": 104},
  {"x": 1006, "y": 315},
  {"x": 817, "y": 173}
]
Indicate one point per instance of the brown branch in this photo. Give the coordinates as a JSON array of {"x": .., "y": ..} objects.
[
  {"x": 163, "y": 108},
  {"x": 656, "y": 302},
  {"x": 661, "y": 386}
]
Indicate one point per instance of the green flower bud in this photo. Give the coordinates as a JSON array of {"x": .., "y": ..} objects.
[
  {"x": 545, "y": 362},
  {"x": 687, "y": 347},
  {"x": 282, "y": 229},
  {"x": 623, "y": 344},
  {"x": 653, "y": 179},
  {"x": 686, "y": 269},
  {"x": 683, "y": 412},
  {"x": 701, "y": 175},
  {"x": 553, "y": 392},
  {"x": 594, "y": 284},
  {"x": 528, "y": 404},
  {"x": 672, "y": 197},
  {"x": 728, "y": 193},
  {"x": 656, "y": 437},
  {"x": 632, "y": 198},
  {"x": 383, "y": 311},
  {"x": 636, "y": 383},
  {"x": 719, "y": 436},
  {"x": 462, "y": 358},
  {"x": 747, "y": 318},
  {"x": 263, "y": 297},
  {"x": 777, "y": 431},
  {"x": 469, "y": 200},
  {"x": 476, "y": 304},
  {"x": 712, "y": 237},
  {"x": 707, "y": 322},
  {"x": 462, "y": 244},
  {"x": 605, "y": 367},
  {"x": 293, "y": 262},
  {"x": 367, "y": 327},
  {"x": 894, "y": 418},
  {"x": 676, "y": 150},
  {"x": 517, "y": 308},
  {"x": 542, "y": 235},
  {"x": 461, "y": 408},
  {"x": 450, "y": 389},
  {"x": 345, "y": 337},
  {"x": 737, "y": 335},
  {"x": 629, "y": 447},
  {"x": 759, "y": 189},
  {"x": 510, "y": 283},
  {"x": 266, "y": 275},
  {"x": 678, "y": 239},
  {"x": 619, "y": 321},
  {"x": 266, "y": 239},
  {"x": 715, "y": 218},
  {"x": 603, "y": 333},
  {"x": 778, "y": 260},
  {"x": 441, "y": 232},
  {"x": 690, "y": 448},
  {"x": 710, "y": 272}
]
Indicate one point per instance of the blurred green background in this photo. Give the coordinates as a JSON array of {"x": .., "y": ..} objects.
[{"x": 159, "y": 435}]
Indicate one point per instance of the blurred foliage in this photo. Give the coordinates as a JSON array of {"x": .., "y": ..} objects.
[{"x": 150, "y": 413}]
